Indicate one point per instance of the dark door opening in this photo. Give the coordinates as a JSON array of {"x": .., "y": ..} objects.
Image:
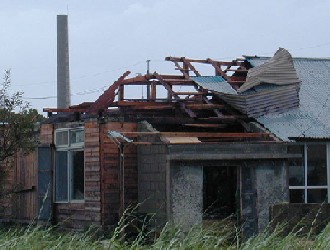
[{"x": 219, "y": 191}]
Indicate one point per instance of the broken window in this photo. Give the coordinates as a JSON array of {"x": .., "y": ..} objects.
[
  {"x": 308, "y": 175},
  {"x": 69, "y": 165}
]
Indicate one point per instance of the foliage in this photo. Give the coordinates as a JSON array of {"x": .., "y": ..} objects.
[{"x": 17, "y": 121}]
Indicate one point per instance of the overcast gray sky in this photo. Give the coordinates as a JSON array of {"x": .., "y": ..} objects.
[{"x": 108, "y": 37}]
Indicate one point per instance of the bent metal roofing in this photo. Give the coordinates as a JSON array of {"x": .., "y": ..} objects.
[{"x": 312, "y": 119}]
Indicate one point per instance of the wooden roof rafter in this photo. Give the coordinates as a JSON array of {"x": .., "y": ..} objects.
[
  {"x": 195, "y": 104},
  {"x": 107, "y": 97},
  {"x": 168, "y": 87},
  {"x": 184, "y": 71},
  {"x": 241, "y": 64},
  {"x": 190, "y": 66}
]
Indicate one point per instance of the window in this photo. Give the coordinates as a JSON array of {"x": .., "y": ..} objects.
[
  {"x": 69, "y": 165},
  {"x": 309, "y": 175}
]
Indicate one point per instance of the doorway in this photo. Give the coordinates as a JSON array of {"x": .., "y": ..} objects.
[{"x": 220, "y": 192}]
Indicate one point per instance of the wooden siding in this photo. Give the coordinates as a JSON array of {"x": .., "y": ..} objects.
[
  {"x": 18, "y": 195},
  {"x": 25, "y": 185},
  {"x": 47, "y": 134},
  {"x": 111, "y": 172},
  {"x": 18, "y": 183},
  {"x": 92, "y": 173}
]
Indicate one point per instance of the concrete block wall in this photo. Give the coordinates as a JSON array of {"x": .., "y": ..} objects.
[
  {"x": 263, "y": 183},
  {"x": 152, "y": 181},
  {"x": 271, "y": 185},
  {"x": 152, "y": 165},
  {"x": 248, "y": 196},
  {"x": 186, "y": 195}
]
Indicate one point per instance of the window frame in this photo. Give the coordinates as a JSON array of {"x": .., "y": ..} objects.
[
  {"x": 307, "y": 187},
  {"x": 69, "y": 148}
]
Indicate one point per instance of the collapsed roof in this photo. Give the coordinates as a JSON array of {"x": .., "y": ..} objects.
[
  {"x": 311, "y": 120},
  {"x": 240, "y": 91}
]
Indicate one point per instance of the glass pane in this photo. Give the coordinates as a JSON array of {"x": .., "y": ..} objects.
[
  {"x": 76, "y": 136},
  {"x": 296, "y": 167},
  {"x": 61, "y": 138},
  {"x": 317, "y": 195},
  {"x": 77, "y": 160},
  {"x": 61, "y": 176},
  {"x": 316, "y": 165},
  {"x": 297, "y": 195}
]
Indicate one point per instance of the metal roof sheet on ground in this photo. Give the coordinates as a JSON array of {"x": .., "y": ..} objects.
[{"x": 312, "y": 118}]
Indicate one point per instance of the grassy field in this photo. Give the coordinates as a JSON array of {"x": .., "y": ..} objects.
[{"x": 219, "y": 236}]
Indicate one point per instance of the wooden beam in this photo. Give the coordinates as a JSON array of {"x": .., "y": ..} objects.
[
  {"x": 64, "y": 110},
  {"x": 184, "y": 72},
  {"x": 188, "y": 83},
  {"x": 197, "y": 134},
  {"x": 187, "y": 110},
  {"x": 185, "y": 68},
  {"x": 216, "y": 110},
  {"x": 167, "y": 87},
  {"x": 179, "y": 59},
  {"x": 153, "y": 95},
  {"x": 121, "y": 92},
  {"x": 190, "y": 93},
  {"x": 223, "y": 63},
  {"x": 158, "y": 107},
  {"x": 217, "y": 68},
  {"x": 108, "y": 96},
  {"x": 135, "y": 79},
  {"x": 201, "y": 106},
  {"x": 222, "y": 118},
  {"x": 190, "y": 66},
  {"x": 203, "y": 125},
  {"x": 229, "y": 156},
  {"x": 138, "y": 103},
  {"x": 173, "y": 77}
]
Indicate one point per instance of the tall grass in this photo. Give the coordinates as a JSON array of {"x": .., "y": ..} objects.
[
  {"x": 45, "y": 238},
  {"x": 222, "y": 235}
]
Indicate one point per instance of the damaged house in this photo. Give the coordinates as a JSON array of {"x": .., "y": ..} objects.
[{"x": 233, "y": 144}]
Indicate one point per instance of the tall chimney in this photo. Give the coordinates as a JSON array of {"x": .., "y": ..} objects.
[{"x": 63, "y": 74}]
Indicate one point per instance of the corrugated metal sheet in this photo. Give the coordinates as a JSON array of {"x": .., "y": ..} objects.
[
  {"x": 278, "y": 70},
  {"x": 264, "y": 100},
  {"x": 214, "y": 83},
  {"x": 312, "y": 118},
  {"x": 272, "y": 88}
]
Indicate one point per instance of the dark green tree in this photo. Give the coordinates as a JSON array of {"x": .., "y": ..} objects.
[{"x": 17, "y": 121}]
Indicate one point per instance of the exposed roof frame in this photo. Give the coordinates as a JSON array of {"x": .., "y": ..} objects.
[
  {"x": 107, "y": 99},
  {"x": 187, "y": 66}
]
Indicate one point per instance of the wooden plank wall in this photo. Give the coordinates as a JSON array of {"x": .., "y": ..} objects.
[
  {"x": 46, "y": 134},
  {"x": 92, "y": 173},
  {"x": 111, "y": 171},
  {"x": 25, "y": 206},
  {"x": 18, "y": 193},
  {"x": 18, "y": 187}
]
